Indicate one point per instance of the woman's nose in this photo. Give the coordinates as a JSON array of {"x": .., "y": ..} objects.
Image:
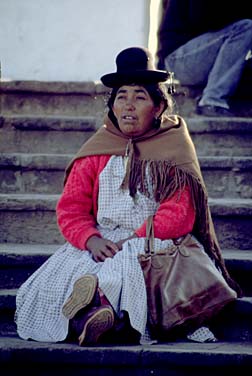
[{"x": 130, "y": 104}]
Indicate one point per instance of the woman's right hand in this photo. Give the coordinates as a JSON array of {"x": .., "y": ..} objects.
[{"x": 101, "y": 248}]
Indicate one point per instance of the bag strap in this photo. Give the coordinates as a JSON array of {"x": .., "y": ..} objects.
[
  {"x": 149, "y": 239},
  {"x": 148, "y": 248}
]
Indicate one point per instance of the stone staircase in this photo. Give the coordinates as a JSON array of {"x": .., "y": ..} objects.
[{"x": 41, "y": 126}]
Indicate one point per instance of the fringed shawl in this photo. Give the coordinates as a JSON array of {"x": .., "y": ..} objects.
[{"x": 170, "y": 157}]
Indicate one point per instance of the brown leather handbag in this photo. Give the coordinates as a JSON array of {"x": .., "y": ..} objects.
[{"x": 184, "y": 288}]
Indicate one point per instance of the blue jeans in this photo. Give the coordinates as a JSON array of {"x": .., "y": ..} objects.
[{"x": 214, "y": 60}]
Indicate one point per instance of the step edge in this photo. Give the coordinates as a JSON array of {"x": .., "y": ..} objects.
[
  {"x": 27, "y": 201},
  {"x": 16, "y": 249},
  {"x": 90, "y": 87},
  {"x": 223, "y": 349},
  {"x": 52, "y": 160}
]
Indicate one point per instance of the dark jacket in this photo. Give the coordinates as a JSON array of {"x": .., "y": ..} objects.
[{"x": 183, "y": 20}]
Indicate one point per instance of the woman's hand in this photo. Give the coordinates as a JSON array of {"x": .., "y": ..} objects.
[{"x": 101, "y": 248}]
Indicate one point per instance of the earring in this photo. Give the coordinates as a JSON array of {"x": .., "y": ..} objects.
[
  {"x": 157, "y": 122},
  {"x": 171, "y": 88}
]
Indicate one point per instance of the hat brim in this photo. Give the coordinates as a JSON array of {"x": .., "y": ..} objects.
[{"x": 139, "y": 77}]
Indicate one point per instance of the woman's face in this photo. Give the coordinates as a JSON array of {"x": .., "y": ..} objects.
[{"x": 134, "y": 110}]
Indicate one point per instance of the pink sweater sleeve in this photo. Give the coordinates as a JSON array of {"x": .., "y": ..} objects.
[
  {"x": 75, "y": 209},
  {"x": 175, "y": 217}
]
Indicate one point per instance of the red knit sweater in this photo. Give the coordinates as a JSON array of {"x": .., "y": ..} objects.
[{"x": 77, "y": 207}]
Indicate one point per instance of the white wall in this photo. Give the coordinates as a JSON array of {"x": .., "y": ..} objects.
[{"x": 68, "y": 40}]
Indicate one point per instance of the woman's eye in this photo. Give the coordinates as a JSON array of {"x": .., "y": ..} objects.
[{"x": 140, "y": 97}]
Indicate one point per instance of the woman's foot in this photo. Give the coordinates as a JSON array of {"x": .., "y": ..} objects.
[
  {"x": 85, "y": 291},
  {"x": 97, "y": 321}
]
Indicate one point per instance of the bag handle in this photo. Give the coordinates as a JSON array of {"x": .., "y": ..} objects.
[
  {"x": 148, "y": 247},
  {"x": 149, "y": 239}
]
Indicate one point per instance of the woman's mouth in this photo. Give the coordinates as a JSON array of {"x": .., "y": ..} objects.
[{"x": 129, "y": 117}]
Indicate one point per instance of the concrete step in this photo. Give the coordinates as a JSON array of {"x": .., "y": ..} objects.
[
  {"x": 19, "y": 261},
  {"x": 176, "y": 358},
  {"x": 33, "y": 134},
  {"x": 30, "y": 218},
  {"x": 233, "y": 322},
  {"x": 56, "y": 118},
  {"x": 52, "y": 98},
  {"x": 227, "y": 176},
  {"x": 32, "y": 173},
  {"x": 221, "y": 136},
  {"x": 233, "y": 222},
  {"x": 36, "y": 97},
  {"x": 45, "y": 134},
  {"x": 43, "y": 173}
]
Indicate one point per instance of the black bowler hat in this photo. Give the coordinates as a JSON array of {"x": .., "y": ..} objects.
[{"x": 134, "y": 65}]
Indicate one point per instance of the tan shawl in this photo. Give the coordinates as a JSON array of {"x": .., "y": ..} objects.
[{"x": 172, "y": 164}]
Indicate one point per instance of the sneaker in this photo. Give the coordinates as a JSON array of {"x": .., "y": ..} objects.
[
  {"x": 85, "y": 291},
  {"x": 214, "y": 111},
  {"x": 96, "y": 322}
]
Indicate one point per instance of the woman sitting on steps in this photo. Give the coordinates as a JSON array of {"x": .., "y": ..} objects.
[{"x": 141, "y": 162}]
